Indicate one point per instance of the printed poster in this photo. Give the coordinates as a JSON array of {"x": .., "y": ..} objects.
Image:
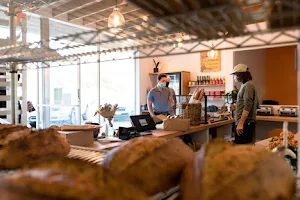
[{"x": 210, "y": 64}]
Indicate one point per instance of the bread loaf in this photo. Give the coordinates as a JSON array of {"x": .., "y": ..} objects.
[
  {"x": 22, "y": 147},
  {"x": 237, "y": 172},
  {"x": 153, "y": 164},
  {"x": 67, "y": 179}
]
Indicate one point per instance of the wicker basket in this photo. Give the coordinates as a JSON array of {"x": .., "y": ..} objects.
[{"x": 191, "y": 111}]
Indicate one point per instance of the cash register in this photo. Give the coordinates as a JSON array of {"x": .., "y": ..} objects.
[{"x": 141, "y": 125}]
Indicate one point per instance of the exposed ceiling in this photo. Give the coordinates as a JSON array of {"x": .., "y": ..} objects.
[{"x": 153, "y": 23}]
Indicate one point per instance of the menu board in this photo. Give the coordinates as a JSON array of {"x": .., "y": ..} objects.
[{"x": 210, "y": 64}]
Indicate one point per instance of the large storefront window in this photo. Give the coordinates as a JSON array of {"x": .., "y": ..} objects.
[
  {"x": 117, "y": 85},
  {"x": 70, "y": 94},
  {"x": 89, "y": 92}
]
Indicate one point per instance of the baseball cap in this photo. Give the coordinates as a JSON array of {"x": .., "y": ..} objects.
[{"x": 240, "y": 68}]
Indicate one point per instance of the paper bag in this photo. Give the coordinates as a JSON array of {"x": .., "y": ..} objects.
[{"x": 176, "y": 124}]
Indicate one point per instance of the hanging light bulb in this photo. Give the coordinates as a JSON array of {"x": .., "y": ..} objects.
[
  {"x": 116, "y": 20},
  {"x": 180, "y": 44},
  {"x": 179, "y": 37},
  {"x": 212, "y": 54}
]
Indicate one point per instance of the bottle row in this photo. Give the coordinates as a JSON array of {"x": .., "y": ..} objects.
[
  {"x": 209, "y": 80},
  {"x": 215, "y": 95}
]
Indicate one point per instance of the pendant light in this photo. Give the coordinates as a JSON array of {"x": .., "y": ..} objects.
[
  {"x": 212, "y": 54},
  {"x": 179, "y": 39},
  {"x": 116, "y": 20}
]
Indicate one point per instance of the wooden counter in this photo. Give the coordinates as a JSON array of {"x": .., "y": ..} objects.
[
  {"x": 159, "y": 132},
  {"x": 277, "y": 119}
]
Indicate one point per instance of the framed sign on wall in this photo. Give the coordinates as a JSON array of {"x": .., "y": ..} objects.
[{"x": 209, "y": 62}]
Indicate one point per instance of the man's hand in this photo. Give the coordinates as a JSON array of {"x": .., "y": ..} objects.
[{"x": 239, "y": 128}]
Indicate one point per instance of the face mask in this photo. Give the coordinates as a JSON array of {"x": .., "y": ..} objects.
[
  {"x": 162, "y": 85},
  {"x": 235, "y": 79},
  {"x": 167, "y": 84}
]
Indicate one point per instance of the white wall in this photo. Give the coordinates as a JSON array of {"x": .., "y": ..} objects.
[
  {"x": 187, "y": 62},
  {"x": 256, "y": 62}
]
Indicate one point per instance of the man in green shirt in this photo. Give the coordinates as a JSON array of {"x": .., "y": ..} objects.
[{"x": 246, "y": 106}]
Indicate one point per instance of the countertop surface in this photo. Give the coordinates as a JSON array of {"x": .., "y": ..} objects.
[
  {"x": 159, "y": 132},
  {"x": 277, "y": 119}
]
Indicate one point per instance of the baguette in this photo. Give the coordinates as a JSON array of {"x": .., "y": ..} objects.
[{"x": 201, "y": 95}]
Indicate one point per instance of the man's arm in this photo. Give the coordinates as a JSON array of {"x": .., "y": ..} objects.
[{"x": 150, "y": 108}]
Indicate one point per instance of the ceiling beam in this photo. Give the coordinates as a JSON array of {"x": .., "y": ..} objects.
[
  {"x": 72, "y": 6},
  {"x": 146, "y": 5},
  {"x": 93, "y": 9}
]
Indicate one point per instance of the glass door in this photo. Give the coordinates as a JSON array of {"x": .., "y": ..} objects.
[{"x": 175, "y": 82}]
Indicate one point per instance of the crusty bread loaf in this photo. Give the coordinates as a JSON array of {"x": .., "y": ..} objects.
[
  {"x": 51, "y": 184},
  {"x": 237, "y": 172},
  {"x": 6, "y": 129},
  {"x": 26, "y": 147},
  {"x": 153, "y": 164},
  {"x": 69, "y": 179}
]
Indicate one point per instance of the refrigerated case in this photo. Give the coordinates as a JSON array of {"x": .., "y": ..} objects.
[{"x": 179, "y": 81}]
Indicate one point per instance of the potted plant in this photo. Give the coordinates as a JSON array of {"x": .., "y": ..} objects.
[{"x": 231, "y": 96}]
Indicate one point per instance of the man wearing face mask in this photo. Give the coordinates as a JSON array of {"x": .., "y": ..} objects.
[
  {"x": 159, "y": 98},
  {"x": 172, "y": 108},
  {"x": 246, "y": 106}
]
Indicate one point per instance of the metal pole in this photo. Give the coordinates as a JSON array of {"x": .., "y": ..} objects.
[
  {"x": 98, "y": 73},
  {"x": 45, "y": 77},
  {"x": 13, "y": 66},
  {"x": 79, "y": 90},
  {"x": 24, "y": 76}
]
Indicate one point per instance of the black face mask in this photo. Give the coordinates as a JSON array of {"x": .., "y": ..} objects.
[{"x": 167, "y": 84}]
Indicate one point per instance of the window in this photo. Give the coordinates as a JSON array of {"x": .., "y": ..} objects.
[
  {"x": 58, "y": 93},
  {"x": 117, "y": 85}
]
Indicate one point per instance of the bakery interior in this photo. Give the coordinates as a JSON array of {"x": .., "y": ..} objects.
[{"x": 75, "y": 76}]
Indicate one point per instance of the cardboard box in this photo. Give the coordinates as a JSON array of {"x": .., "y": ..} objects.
[
  {"x": 176, "y": 124},
  {"x": 79, "y": 138}
]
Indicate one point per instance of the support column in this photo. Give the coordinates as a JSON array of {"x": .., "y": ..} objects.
[
  {"x": 24, "y": 76},
  {"x": 45, "y": 77},
  {"x": 13, "y": 66},
  {"x": 98, "y": 73}
]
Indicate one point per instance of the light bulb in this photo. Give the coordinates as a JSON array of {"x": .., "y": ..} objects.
[
  {"x": 180, "y": 44},
  {"x": 212, "y": 54},
  {"x": 179, "y": 37},
  {"x": 116, "y": 20}
]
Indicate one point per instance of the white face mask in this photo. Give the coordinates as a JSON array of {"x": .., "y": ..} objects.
[{"x": 235, "y": 78}]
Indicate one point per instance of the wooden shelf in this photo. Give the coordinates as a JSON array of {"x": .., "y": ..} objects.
[
  {"x": 206, "y": 85},
  {"x": 167, "y": 72}
]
